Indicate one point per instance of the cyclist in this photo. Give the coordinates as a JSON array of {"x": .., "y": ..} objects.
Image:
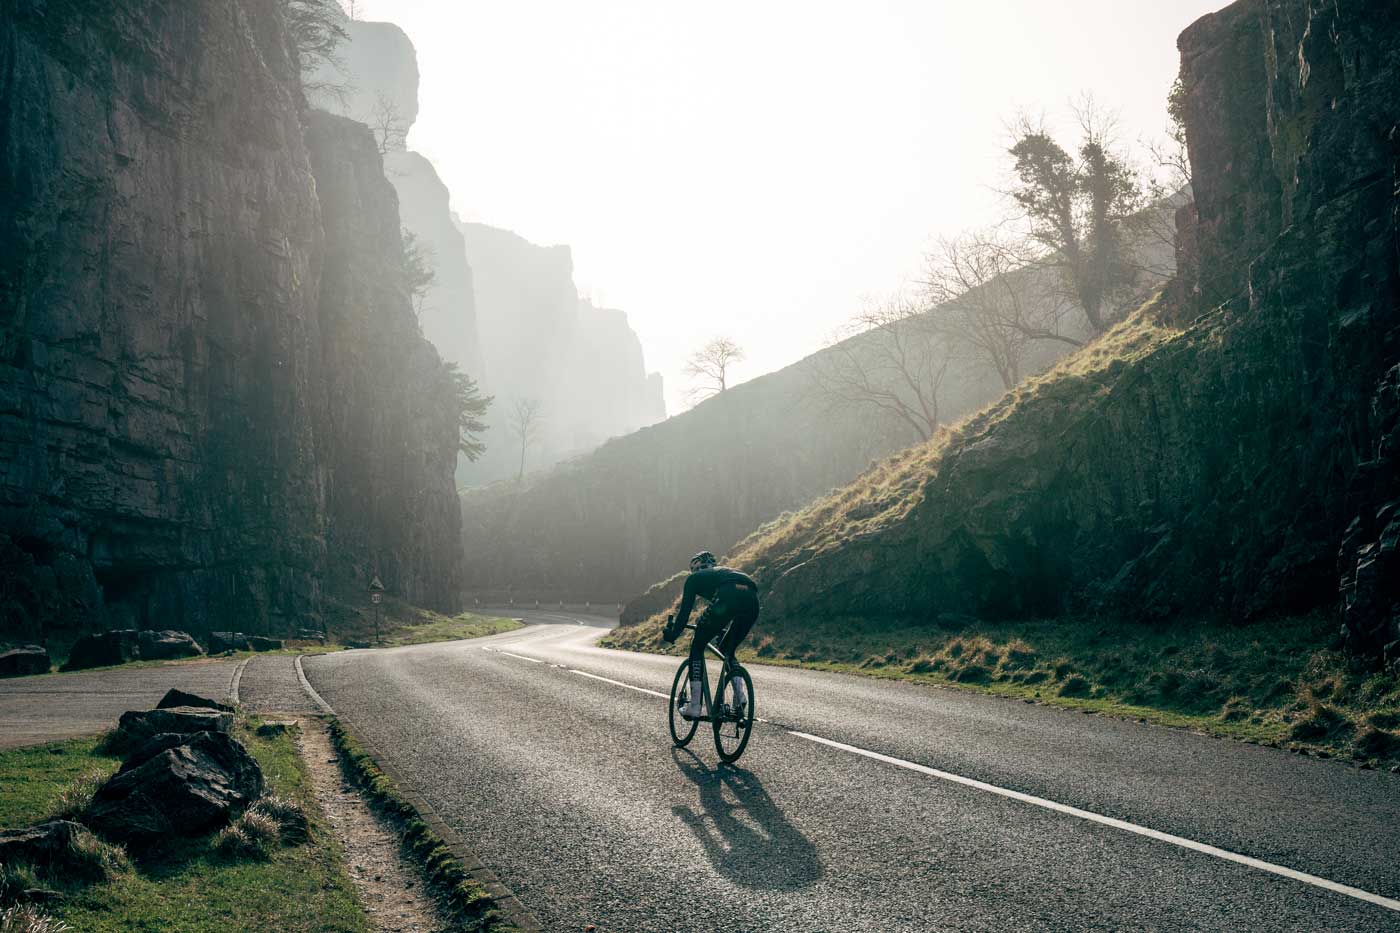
[{"x": 732, "y": 598}]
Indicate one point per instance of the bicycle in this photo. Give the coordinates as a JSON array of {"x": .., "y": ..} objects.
[{"x": 731, "y": 726}]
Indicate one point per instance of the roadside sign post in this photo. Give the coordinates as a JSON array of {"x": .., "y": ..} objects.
[{"x": 376, "y": 596}]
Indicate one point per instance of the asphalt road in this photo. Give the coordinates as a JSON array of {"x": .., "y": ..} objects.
[
  {"x": 60, "y": 706},
  {"x": 568, "y": 788}
]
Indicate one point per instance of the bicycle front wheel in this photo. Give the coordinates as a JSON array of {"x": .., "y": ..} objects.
[
  {"x": 733, "y": 723},
  {"x": 682, "y": 729}
]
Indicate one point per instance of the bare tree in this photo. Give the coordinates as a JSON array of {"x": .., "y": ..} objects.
[
  {"x": 983, "y": 298},
  {"x": 1169, "y": 186},
  {"x": 892, "y": 359},
  {"x": 710, "y": 365},
  {"x": 419, "y": 270},
  {"x": 526, "y": 421},
  {"x": 388, "y": 124},
  {"x": 316, "y": 29},
  {"x": 352, "y": 8},
  {"x": 1078, "y": 209},
  {"x": 1170, "y": 154}
]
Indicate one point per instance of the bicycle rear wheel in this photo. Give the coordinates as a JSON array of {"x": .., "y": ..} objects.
[
  {"x": 682, "y": 730},
  {"x": 732, "y": 727}
]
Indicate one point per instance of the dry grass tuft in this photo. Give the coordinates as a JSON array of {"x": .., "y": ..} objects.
[
  {"x": 75, "y": 798},
  {"x": 251, "y": 836},
  {"x": 26, "y": 918},
  {"x": 289, "y": 819}
]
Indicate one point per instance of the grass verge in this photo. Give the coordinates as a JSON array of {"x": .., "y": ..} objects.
[
  {"x": 468, "y": 900},
  {"x": 186, "y": 884},
  {"x": 435, "y": 627},
  {"x": 1269, "y": 683}
]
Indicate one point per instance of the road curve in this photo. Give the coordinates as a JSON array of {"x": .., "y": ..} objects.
[{"x": 568, "y": 788}]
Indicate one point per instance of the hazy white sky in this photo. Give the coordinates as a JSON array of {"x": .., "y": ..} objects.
[{"x": 753, "y": 168}]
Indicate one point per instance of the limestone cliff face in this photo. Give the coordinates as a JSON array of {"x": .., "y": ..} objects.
[
  {"x": 1242, "y": 465},
  {"x": 449, "y": 309},
  {"x": 541, "y": 341},
  {"x": 165, "y": 406},
  {"x": 390, "y": 439},
  {"x": 377, "y": 67}
]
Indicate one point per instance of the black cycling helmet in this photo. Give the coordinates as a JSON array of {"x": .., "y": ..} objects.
[{"x": 702, "y": 561}]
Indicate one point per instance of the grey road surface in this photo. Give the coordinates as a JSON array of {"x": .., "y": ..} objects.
[
  {"x": 567, "y": 786},
  {"x": 61, "y": 706}
]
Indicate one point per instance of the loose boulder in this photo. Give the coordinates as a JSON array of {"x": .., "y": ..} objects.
[
  {"x": 59, "y": 849},
  {"x": 23, "y": 660},
  {"x": 174, "y": 698},
  {"x": 137, "y": 726},
  {"x": 184, "y": 789},
  {"x": 219, "y": 642},
  {"x": 167, "y": 644},
  {"x": 102, "y": 649},
  {"x": 259, "y": 643}
]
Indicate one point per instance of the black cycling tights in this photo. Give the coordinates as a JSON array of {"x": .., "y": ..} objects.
[{"x": 711, "y": 624}]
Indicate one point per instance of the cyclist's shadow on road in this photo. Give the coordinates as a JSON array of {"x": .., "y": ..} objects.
[{"x": 745, "y": 835}]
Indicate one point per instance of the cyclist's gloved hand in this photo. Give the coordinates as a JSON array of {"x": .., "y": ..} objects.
[{"x": 668, "y": 634}]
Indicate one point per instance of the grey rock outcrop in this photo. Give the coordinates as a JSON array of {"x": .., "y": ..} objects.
[
  {"x": 167, "y": 644},
  {"x": 219, "y": 642},
  {"x": 102, "y": 649},
  {"x": 175, "y": 697},
  {"x": 121, "y": 645},
  {"x": 58, "y": 849},
  {"x": 137, "y": 726},
  {"x": 24, "y": 660},
  {"x": 184, "y": 789}
]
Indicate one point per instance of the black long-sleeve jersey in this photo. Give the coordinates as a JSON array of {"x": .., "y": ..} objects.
[{"x": 721, "y": 586}]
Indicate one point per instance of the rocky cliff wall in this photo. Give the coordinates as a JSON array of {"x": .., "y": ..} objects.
[
  {"x": 449, "y": 307},
  {"x": 506, "y": 311},
  {"x": 1242, "y": 465},
  {"x": 164, "y": 406},
  {"x": 390, "y": 438},
  {"x": 376, "y": 67},
  {"x": 541, "y": 341}
]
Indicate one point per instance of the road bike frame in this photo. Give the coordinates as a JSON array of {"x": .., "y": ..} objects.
[{"x": 731, "y": 667}]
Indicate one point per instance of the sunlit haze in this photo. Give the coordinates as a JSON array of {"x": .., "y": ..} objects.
[{"x": 753, "y": 169}]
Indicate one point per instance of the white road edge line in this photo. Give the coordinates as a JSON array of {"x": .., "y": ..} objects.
[
  {"x": 1227, "y": 855},
  {"x": 609, "y": 680},
  {"x": 321, "y": 704},
  {"x": 521, "y": 657}
]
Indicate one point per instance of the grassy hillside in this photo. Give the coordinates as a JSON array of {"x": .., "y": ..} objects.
[{"x": 605, "y": 525}]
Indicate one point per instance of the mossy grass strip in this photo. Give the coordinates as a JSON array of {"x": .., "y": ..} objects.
[
  {"x": 1275, "y": 682},
  {"x": 185, "y": 883},
  {"x": 474, "y": 906}
]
